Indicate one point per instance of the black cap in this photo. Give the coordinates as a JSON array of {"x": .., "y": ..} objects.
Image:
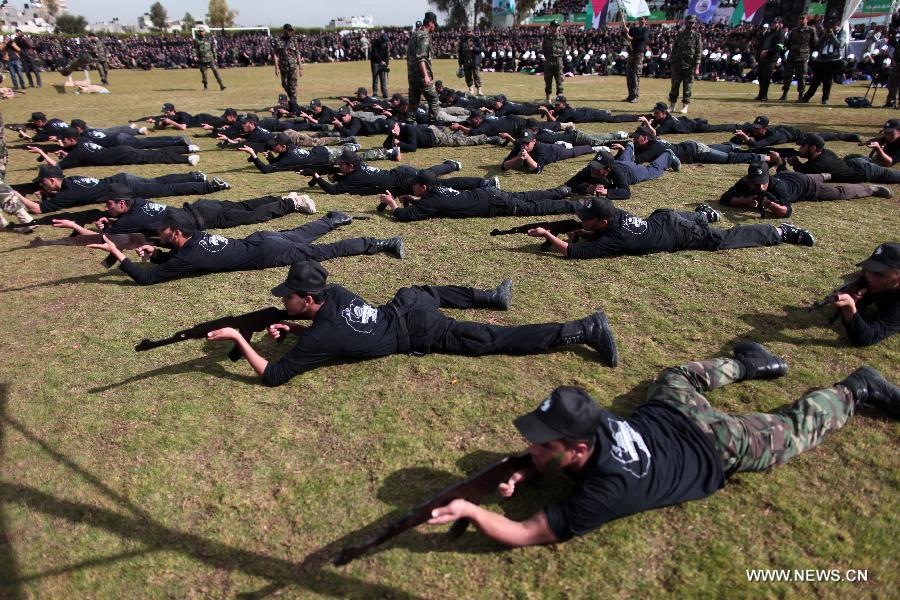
[
  {"x": 69, "y": 132},
  {"x": 561, "y": 99},
  {"x": 48, "y": 172},
  {"x": 526, "y": 136},
  {"x": 426, "y": 178},
  {"x": 568, "y": 412},
  {"x": 304, "y": 278},
  {"x": 315, "y": 102},
  {"x": 501, "y": 97},
  {"x": 811, "y": 139},
  {"x": 475, "y": 113},
  {"x": 350, "y": 157},
  {"x": 404, "y": 101},
  {"x": 760, "y": 122},
  {"x": 38, "y": 116},
  {"x": 279, "y": 139},
  {"x": 554, "y": 23},
  {"x": 168, "y": 106},
  {"x": 178, "y": 218},
  {"x": 691, "y": 19},
  {"x": 389, "y": 124},
  {"x": 344, "y": 110},
  {"x": 287, "y": 27},
  {"x": 886, "y": 256},
  {"x": 230, "y": 112},
  {"x": 661, "y": 106},
  {"x": 891, "y": 123},
  {"x": 249, "y": 117},
  {"x": 439, "y": 83},
  {"x": 79, "y": 123},
  {"x": 757, "y": 174},
  {"x": 597, "y": 208},
  {"x": 602, "y": 160},
  {"x": 282, "y": 97},
  {"x": 646, "y": 131},
  {"x": 429, "y": 17}
]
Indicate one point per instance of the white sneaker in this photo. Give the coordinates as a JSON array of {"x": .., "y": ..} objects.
[
  {"x": 194, "y": 160},
  {"x": 622, "y": 135},
  {"x": 600, "y": 148},
  {"x": 497, "y": 181},
  {"x": 565, "y": 145},
  {"x": 302, "y": 203},
  {"x": 684, "y": 109},
  {"x": 193, "y": 148},
  {"x": 142, "y": 130}
]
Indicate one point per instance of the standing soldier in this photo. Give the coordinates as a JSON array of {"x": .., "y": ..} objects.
[
  {"x": 637, "y": 35},
  {"x": 418, "y": 67},
  {"x": 380, "y": 58},
  {"x": 205, "y": 48},
  {"x": 288, "y": 62},
  {"x": 554, "y": 51},
  {"x": 894, "y": 78},
  {"x": 801, "y": 41},
  {"x": 97, "y": 51},
  {"x": 29, "y": 58},
  {"x": 686, "y": 52},
  {"x": 470, "y": 50},
  {"x": 771, "y": 48}
]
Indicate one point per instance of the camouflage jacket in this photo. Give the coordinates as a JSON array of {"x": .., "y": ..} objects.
[
  {"x": 286, "y": 50},
  {"x": 205, "y": 50},
  {"x": 801, "y": 41},
  {"x": 419, "y": 49},
  {"x": 553, "y": 46},
  {"x": 686, "y": 49},
  {"x": 97, "y": 49}
]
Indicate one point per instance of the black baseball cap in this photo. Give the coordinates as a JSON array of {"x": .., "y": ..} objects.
[
  {"x": 168, "y": 106},
  {"x": 439, "y": 83},
  {"x": 811, "y": 139},
  {"x": 757, "y": 174},
  {"x": 661, "y": 106},
  {"x": 288, "y": 27},
  {"x": 561, "y": 99},
  {"x": 554, "y": 23},
  {"x": 597, "y": 208},
  {"x": 568, "y": 412},
  {"x": 526, "y": 136},
  {"x": 350, "y": 157},
  {"x": 177, "y": 218},
  {"x": 38, "y": 116},
  {"x": 642, "y": 130},
  {"x": 230, "y": 112},
  {"x": 389, "y": 124},
  {"x": 426, "y": 178},
  {"x": 891, "y": 123},
  {"x": 344, "y": 110},
  {"x": 602, "y": 160},
  {"x": 48, "y": 172},
  {"x": 397, "y": 96},
  {"x": 760, "y": 122},
  {"x": 315, "y": 102},
  {"x": 885, "y": 257},
  {"x": 304, "y": 278},
  {"x": 279, "y": 139},
  {"x": 404, "y": 101},
  {"x": 282, "y": 97},
  {"x": 429, "y": 17}
]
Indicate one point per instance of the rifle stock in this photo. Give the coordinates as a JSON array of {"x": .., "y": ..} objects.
[
  {"x": 472, "y": 489},
  {"x": 123, "y": 241},
  {"x": 247, "y": 323}
]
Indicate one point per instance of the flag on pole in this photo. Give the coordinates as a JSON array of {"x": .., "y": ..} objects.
[
  {"x": 746, "y": 9},
  {"x": 704, "y": 10},
  {"x": 596, "y": 14},
  {"x": 635, "y": 8}
]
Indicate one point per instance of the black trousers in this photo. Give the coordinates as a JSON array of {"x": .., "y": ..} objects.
[
  {"x": 823, "y": 73},
  {"x": 221, "y": 214},
  {"x": 432, "y": 331},
  {"x": 703, "y": 237},
  {"x": 533, "y": 203},
  {"x": 379, "y": 75},
  {"x": 303, "y": 236},
  {"x": 765, "y": 77},
  {"x": 153, "y": 142},
  {"x": 126, "y": 155},
  {"x": 175, "y": 184}
]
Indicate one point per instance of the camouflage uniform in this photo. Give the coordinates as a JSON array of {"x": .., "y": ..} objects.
[
  {"x": 98, "y": 55},
  {"x": 418, "y": 50},
  {"x": 756, "y": 441},
  {"x": 206, "y": 57},
  {"x": 894, "y": 77},
  {"x": 800, "y": 44},
  {"x": 554, "y": 50},
  {"x": 9, "y": 200},
  {"x": 686, "y": 52},
  {"x": 285, "y": 49}
]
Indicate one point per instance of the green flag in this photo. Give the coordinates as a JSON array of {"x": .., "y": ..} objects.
[{"x": 738, "y": 14}]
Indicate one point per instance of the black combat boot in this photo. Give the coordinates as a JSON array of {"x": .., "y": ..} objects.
[
  {"x": 758, "y": 362},
  {"x": 392, "y": 246},
  {"x": 497, "y": 298},
  {"x": 869, "y": 386},
  {"x": 337, "y": 219},
  {"x": 595, "y": 332}
]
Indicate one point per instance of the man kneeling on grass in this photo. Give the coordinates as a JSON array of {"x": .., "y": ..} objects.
[
  {"x": 346, "y": 327},
  {"x": 674, "y": 448}
]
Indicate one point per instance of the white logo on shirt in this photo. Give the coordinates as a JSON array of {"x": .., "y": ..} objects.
[
  {"x": 153, "y": 208},
  {"x": 213, "y": 243},
  {"x": 635, "y": 225},
  {"x": 360, "y": 316},
  {"x": 99, "y": 135},
  {"x": 85, "y": 181},
  {"x": 545, "y": 405},
  {"x": 300, "y": 152},
  {"x": 629, "y": 448},
  {"x": 371, "y": 170}
]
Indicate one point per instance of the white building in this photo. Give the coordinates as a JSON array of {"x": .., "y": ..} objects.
[{"x": 354, "y": 22}]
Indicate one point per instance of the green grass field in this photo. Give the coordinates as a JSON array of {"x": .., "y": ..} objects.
[{"x": 173, "y": 473}]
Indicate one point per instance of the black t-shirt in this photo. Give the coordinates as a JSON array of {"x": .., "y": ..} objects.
[
  {"x": 346, "y": 327},
  {"x": 877, "y": 317},
  {"x": 583, "y": 115},
  {"x": 77, "y": 191},
  {"x": 492, "y": 125},
  {"x": 412, "y": 136},
  {"x": 829, "y": 162},
  {"x": 516, "y": 108},
  {"x": 639, "y": 38},
  {"x": 89, "y": 153},
  {"x": 774, "y": 136},
  {"x": 617, "y": 182},
  {"x": 367, "y": 179},
  {"x": 53, "y": 127},
  {"x": 784, "y": 188},
  {"x": 543, "y": 154},
  {"x": 449, "y": 203},
  {"x": 295, "y": 158},
  {"x": 655, "y": 458},
  {"x": 358, "y": 127},
  {"x": 892, "y": 149},
  {"x": 662, "y": 231},
  {"x": 140, "y": 218},
  {"x": 687, "y": 152}
]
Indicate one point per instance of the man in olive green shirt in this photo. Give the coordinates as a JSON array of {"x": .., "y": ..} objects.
[
  {"x": 554, "y": 50},
  {"x": 685, "y": 64},
  {"x": 205, "y": 47},
  {"x": 418, "y": 66}
]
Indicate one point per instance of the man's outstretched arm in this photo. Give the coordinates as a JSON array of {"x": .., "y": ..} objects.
[{"x": 532, "y": 531}]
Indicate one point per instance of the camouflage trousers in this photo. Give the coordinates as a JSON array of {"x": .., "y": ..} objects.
[
  {"x": 417, "y": 89},
  {"x": 11, "y": 205},
  {"x": 633, "y": 74},
  {"x": 367, "y": 155},
  {"x": 682, "y": 77},
  {"x": 472, "y": 75},
  {"x": 302, "y": 138},
  {"x": 792, "y": 69},
  {"x": 454, "y": 139},
  {"x": 553, "y": 71},
  {"x": 756, "y": 441},
  {"x": 103, "y": 70},
  {"x": 210, "y": 65},
  {"x": 289, "y": 81},
  {"x": 578, "y": 138}
]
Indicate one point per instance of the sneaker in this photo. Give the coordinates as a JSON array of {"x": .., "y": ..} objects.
[
  {"x": 142, "y": 131},
  {"x": 621, "y": 135},
  {"x": 564, "y": 190},
  {"x": 674, "y": 161},
  {"x": 193, "y": 148},
  {"x": 879, "y": 191},
  {"x": 600, "y": 148},
  {"x": 671, "y": 107},
  {"x": 565, "y": 145},
  {"x": 302, "y": 203},
  {"x": 394, "y": 153},
  {"x": 496, "y": 140},
  {"x": 194, "y": 160},
  {"x": 794, "y": 235},
  {"x": 633, "y": 101},
  {"x": 217, "y": 184},
  {"x": 455, "y": 163},
  {"x": 198, "y": 175},
  {"x": 496, "y": 181},
  {"x": 338, "y": 219},
  {"x": 353, "y": 147},
  {"x": 711, "y": 214},
  {"x": 684, "y": 109}
]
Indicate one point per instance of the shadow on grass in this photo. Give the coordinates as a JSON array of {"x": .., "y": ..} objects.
[
  {"x": 211, "y": 364},
  {"x": 776, "y": 327},
  {"x": 107, "y": 277},
  {"x": 133, "y": 523}
]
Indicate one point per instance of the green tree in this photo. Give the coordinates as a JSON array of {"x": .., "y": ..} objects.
[
  {"x": 158, "y": 16},
  {"x": 71, "y": 24},
  {"x": 187, "y": 22},
  {"x": 220, "y": 15},
  {"x": 463, "y": 13}
]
